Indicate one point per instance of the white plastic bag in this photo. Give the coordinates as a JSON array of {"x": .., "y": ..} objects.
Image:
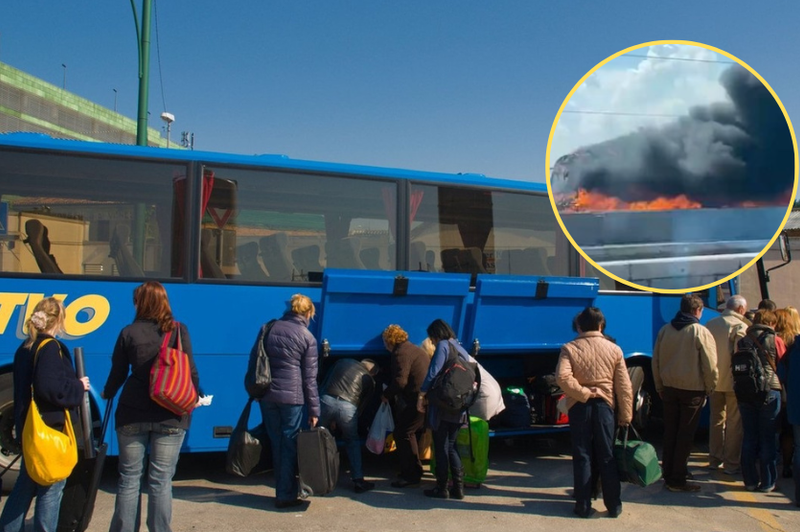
[{"x": 382, "y": 425}]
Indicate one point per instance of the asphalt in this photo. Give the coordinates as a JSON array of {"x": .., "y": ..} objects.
[{"x": 528, "y": 488}]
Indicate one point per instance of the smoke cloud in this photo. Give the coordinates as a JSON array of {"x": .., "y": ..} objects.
[{"x": 719, "y": 155}]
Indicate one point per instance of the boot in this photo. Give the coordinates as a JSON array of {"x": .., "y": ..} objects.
[
  {"x": 457, "y": 492},
  {"x": 440, "y": 491}
]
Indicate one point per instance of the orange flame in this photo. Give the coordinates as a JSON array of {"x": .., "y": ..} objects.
[{"x": 585, "y": 200}]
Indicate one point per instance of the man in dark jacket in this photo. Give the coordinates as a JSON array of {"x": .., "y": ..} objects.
[
  {"x": 346, "y": 389},
  {"x": 409, "y": 366}
]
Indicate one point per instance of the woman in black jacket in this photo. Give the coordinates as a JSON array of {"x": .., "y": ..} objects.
[
  {"x": 45, "y": 363},
  {"x": 142, "y": 423}
]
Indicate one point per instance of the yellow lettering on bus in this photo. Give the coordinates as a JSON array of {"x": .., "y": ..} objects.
[
  {"x": 9, "y": 302},
  {"x": 96, "y": 306}
]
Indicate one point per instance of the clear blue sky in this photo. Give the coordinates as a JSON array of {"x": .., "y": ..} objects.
[{"x": 444, "y": 85}]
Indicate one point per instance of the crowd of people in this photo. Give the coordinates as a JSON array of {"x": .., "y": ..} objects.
[{"x": 691, "y": 364}]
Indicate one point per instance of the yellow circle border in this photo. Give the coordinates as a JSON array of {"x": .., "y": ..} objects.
[{"x": 555, "y": 208}]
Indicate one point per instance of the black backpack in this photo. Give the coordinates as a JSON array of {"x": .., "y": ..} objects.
[
  {"x": 456, "y": 386},
  {"x": 258, "y": 376},
  {"x": 750, "y": 382}
]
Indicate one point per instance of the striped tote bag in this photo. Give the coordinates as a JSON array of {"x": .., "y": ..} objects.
[{"x": 171, "y": 383}]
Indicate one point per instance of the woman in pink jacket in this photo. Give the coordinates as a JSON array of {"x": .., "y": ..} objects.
[{"x": 591, "y": 370}]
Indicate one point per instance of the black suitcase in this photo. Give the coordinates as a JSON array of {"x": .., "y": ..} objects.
[
  {"x": 80, "y": 491},
  {"x": 318, "y": 461}
]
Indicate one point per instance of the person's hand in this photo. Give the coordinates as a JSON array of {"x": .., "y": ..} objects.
[
  {"x": 594, "y": 393},
  {"x": 384, "y": 399},
  {"x": 421, "y": 404},
  {"x": 312, "y": 421},
  {"x": 85, "y": 381},
  {"x": 623, "y": 424}
]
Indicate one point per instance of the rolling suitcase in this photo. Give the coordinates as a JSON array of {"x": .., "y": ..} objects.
[
  {"x": 318, "y": 461},
  {"x": 80, "y": 491}
]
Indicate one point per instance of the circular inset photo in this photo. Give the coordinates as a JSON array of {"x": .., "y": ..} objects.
[{"x": 672, "y": 166}]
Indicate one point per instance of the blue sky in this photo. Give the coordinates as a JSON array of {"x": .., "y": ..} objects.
[{"x": 452, "y": 86}]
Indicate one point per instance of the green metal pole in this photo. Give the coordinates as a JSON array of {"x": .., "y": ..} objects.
[{"x": 144, "y": 73}]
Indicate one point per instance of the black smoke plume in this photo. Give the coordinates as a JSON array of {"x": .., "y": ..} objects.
[{"x": 719, "y": 155}]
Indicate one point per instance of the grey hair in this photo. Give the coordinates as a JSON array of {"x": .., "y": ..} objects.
[{"x": 735, "y": 302}]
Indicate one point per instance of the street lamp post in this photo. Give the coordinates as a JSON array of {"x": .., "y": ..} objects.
[
  {"x": 65, "y": 76},
  {"x": 115, "y": 99},
  {"x": 143, "y": 41}
]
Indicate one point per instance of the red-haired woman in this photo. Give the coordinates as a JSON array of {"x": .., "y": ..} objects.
[{"x": 141, "y": 423}]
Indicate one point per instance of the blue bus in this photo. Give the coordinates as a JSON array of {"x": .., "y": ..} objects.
[{"x": 233, "y": 237}]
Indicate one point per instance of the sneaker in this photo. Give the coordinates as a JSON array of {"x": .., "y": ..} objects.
[
  {"x": 733, "y": 471},
  {"x": 750, "y": 488},
  {"x": 715, "y": 465},
  {"x": 360, "y": 485},
  {"x": 765, "y": 489},
  {"x": 689, "y": 486},
  {"x": 615, "y": 512}
]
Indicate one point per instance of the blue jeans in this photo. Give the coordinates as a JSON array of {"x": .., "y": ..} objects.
[
  {"x": 760, "y": 423},
  {"x": 591, "y": 427},
  {"x": 165, "y": 444},
  {"x": 48, "y": 503},
  {"x": 444, "y": 445},
  {"x": 283, "y": 424},
  {"x": 345, "y": 415}
]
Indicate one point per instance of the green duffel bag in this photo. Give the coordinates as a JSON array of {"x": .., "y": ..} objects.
[{"x": 637, "y": 461}]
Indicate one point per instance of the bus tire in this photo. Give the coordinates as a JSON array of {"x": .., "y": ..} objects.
[
  {"x": 8, "y": 446},
  {"x": 642, "y": 401}
]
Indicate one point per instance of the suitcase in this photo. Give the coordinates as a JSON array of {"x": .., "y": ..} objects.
[
  {"x": 318, "y": 461},
  {"x": 637, "y": 461},
  {"x": 474, "y": 458},
  {"x": 80, "y": 491}
]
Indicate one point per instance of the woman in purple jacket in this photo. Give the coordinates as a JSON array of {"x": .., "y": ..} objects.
[{"x": 293, "y": 361}]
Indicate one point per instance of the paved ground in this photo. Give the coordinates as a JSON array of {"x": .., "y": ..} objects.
[{"x": 528, "y": 488}]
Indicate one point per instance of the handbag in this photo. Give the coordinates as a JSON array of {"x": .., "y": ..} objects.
[
  {"x": 382, "y": 425},
  {"x": 50, "y": 455},
  {"x": 244, "y": 448},
  {"x": 259, "y": 376},
  {"x": 637, "y": 461},
  {"x": 171, "y": 385}
]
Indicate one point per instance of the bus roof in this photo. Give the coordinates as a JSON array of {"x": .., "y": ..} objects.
[{"x": 266, "y": 161}]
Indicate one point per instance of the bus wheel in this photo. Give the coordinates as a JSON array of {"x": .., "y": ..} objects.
[
  {"x": 641, "y": 398},
  {"x": 8, "y": 445}
]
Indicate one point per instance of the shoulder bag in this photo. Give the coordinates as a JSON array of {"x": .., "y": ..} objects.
[
  {"x": 171, "y": 385},
  {"x": 50, "y": 455}
]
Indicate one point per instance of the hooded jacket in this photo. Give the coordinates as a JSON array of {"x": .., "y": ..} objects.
[{"x": 685, "y": 356}]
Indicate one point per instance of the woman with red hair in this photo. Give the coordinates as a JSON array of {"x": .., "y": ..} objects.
[{"x": 142, "y": 423}]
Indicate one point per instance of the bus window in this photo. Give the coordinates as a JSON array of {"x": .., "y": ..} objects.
[
  {"x": 64, "y": 214},
  {"x": 470, "y": 230},
  {"x": 269, "y": 226}
]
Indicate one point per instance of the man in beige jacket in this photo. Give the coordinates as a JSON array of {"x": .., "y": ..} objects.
[
  {"x": 592, "y": 372},
  {"x": 725, "y": 431},
  {"x": 684, "y": 373}
]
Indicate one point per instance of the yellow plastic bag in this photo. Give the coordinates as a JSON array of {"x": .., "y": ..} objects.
[{"x": 50, "y": 455}]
